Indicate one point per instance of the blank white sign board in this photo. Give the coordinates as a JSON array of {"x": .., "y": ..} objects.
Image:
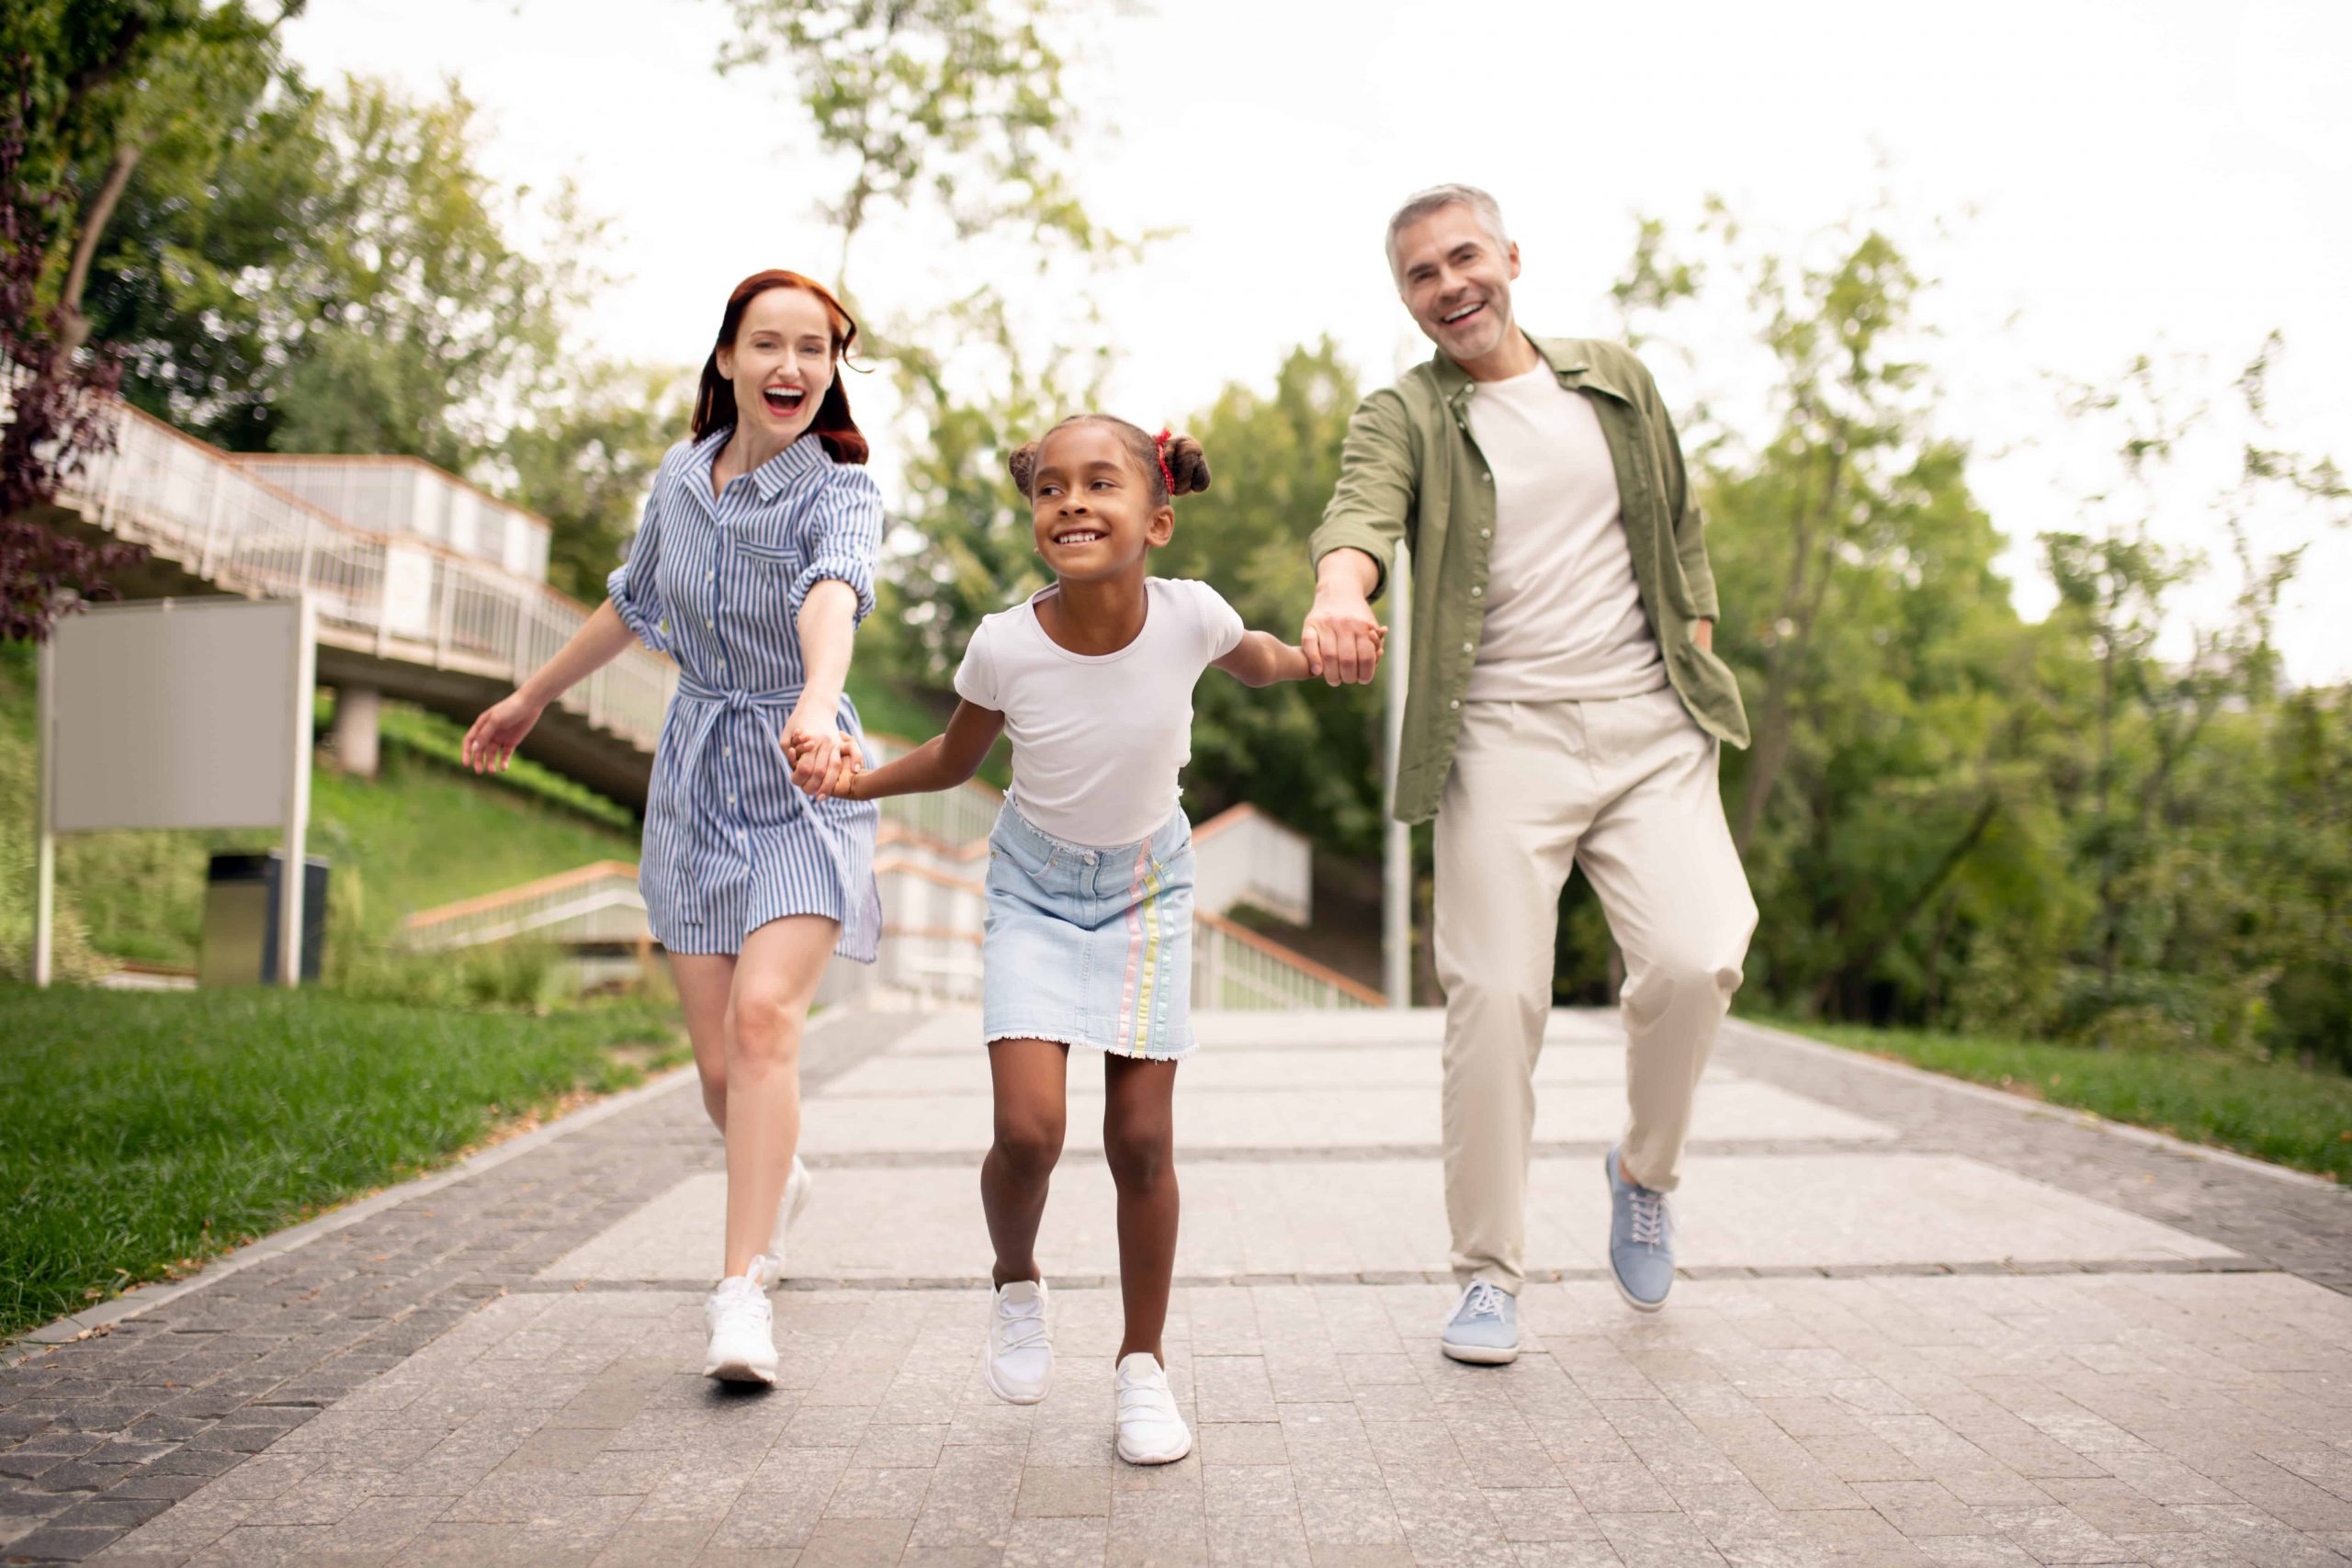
[
  {"x": 187, "y": 713},
  {"x": 177, "y": 717}
]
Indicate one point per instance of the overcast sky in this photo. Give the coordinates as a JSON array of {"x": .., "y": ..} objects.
[{"x": 2122, "y": 177}]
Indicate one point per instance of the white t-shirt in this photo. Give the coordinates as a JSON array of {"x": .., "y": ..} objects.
[
  {"x": 1098, "y": 739},
  {"x": 1564, "y": 617}
]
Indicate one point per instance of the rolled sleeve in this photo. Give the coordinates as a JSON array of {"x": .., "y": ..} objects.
[
  {"x": 843, "y": 541},
  {"x": 1374, "y": 499},
  {"x": 632, "y": 586}
]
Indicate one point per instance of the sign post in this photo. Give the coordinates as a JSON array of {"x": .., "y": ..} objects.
[
  {"x": 294, "y": 869},
  {"x": 44, "y": 831}
]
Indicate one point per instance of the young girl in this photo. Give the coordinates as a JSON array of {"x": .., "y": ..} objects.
[
  {"x": 1089, "y": 882},
  {"x": 752, "y": 567}
]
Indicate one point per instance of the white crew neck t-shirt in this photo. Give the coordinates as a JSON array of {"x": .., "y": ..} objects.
[
  {"x": 1564, "y": 618},
  {"x": 1099, "y": 739}
]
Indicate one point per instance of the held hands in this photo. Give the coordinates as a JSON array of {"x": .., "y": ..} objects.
[
  {"x": 824, "y": 761},
  {"x": 489, "y": 746},
  {"x": 1341, "y": 640}
]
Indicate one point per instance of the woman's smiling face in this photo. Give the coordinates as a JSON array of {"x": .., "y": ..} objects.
[
  {"x": 781, "y": 363},
  {"x": 1095, "y": 515}
]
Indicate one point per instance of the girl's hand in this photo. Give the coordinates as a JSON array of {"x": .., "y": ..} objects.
[{"x": 490, "y": 744}]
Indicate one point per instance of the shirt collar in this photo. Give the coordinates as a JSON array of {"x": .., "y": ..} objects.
[
  {"x": 806, "y": 456},
  {"x": 1573, "y": 369}
]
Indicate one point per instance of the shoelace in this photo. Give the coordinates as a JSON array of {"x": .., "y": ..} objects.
[
  {"x": 1649, "y": 1217},
  {"x": 1017, "y": 1329},
  {"x": 1483, "y": 1301},
  {"x": 1150, "y": 1398}
]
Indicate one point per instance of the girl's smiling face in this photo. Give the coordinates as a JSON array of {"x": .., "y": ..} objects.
[
  {"x": 781, "y": 363},
  {"x": 1096, "y": 516}
]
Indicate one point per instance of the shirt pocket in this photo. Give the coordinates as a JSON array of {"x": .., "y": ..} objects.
[{"x": 781, "y": 555}]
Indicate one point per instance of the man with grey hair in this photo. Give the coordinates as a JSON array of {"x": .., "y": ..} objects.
[{"x": 1565, "y": 709}]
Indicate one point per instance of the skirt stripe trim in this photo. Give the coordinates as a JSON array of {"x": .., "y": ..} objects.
[{"x": 1150, "y": 907}]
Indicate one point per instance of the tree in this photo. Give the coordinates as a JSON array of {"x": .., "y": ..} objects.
[
  {"x": 955, "y": 105},
  {"x": 2118, "y": 584},
  {"x": 339, "y": 277},
  {"x": 1850, "y": 450},
  {"x": 585, "y": 463},
  {"x": 1891, "y": 798},
  {"x": 57, "y": 408}
]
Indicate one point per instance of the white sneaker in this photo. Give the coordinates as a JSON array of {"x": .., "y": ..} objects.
[
  {"x": 797, "y": 1189},
  {"x": 743, "y": 1329},
  {"x": 1018, "y": 1359},
  {"x": 1150, "y": 1431}
]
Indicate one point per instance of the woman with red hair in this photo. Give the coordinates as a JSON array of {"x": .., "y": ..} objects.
[{"x": 752, "y": 569}]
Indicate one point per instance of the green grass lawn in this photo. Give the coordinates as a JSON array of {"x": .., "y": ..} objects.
[
  {"x": 2273, "y": 1110},
  {"x": 144, "y": 1131}
]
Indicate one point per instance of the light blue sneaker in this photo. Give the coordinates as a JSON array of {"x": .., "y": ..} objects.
[
  {"x": 1484, "y": 1329},
  {"x": 1641, "y": 1240}
]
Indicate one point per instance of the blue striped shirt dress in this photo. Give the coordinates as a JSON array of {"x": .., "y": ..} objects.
[{"x": 717, "y": 583}]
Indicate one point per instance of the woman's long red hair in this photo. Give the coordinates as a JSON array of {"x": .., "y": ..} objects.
[{"x": 715, "y": 399}]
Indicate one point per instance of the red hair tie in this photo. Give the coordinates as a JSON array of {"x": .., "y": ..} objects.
[{"x": 1159, "y": 450}]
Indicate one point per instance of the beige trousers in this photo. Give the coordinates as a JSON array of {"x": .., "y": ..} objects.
[{"x": 1626, "y": 790}]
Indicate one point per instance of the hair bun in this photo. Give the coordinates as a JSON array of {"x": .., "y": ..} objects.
[
  {"x": 1021, "y": 464},
  {"x": 1188, "y": 465}
]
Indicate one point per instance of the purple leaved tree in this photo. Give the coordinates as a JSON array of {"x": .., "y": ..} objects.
[{"x": 55, "y": 403}]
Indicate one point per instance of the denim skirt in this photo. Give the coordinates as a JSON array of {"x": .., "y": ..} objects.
[{"x": 1088, "y": 945}]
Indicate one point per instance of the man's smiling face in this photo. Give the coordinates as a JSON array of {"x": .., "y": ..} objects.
[{"x": 1455, "y": 278}]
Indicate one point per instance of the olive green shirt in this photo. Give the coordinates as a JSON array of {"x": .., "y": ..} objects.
[{"x": 1410, "y": 471}]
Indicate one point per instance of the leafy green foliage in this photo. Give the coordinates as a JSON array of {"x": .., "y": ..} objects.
[
  {"x": 952, "y": 106},
  {"x": 586, "y": 461},
  {"x": 339, "y": 278}
]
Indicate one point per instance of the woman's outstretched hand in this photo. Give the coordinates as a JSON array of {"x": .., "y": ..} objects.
[{"x": 490, "y": 743}]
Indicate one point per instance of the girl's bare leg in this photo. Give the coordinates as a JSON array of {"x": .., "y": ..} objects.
[
  {"x": 1032, "y": 1111},
  {"x": 1139, "y": 1138}
]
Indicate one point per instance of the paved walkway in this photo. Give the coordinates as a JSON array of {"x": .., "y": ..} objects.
[{"x": 1919, "y": 1324}]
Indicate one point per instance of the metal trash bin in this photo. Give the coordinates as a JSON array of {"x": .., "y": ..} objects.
[{"x": 239, "y": 938}]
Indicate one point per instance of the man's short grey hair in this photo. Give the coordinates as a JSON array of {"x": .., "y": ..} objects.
[{"x": 1421, "y": 203}]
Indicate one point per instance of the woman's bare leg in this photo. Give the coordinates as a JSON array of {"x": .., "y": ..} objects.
[
  {"x": 775, "y": 979},
  {"x": 704, "y": 981}
]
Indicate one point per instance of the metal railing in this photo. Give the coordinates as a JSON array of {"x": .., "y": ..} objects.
[
  {"x": 600, "y": 903},
  {"x": 955, "y": 818},
  {"x": 400, "y": 599},
  {"x": 1233, "y": 966},
  {"x": 412, "y": 499}
]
